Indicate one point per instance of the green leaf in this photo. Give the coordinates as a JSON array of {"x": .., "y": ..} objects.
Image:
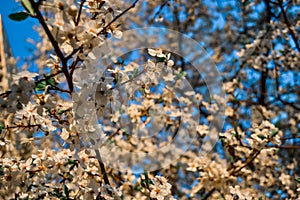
[
  {"x": 297, "y": 179},
  {"x": 138, "y": 188},
  {"x": 71, "y": 168},
  {"x": 19, "y": 16},
  {"x": 41, "y": 86},
  {"x": 126, "y": 134},
  {"x": 180, "y": 74},
  {"x": 67, "y": 191},
  {"x": 27, "y": 5},
  {"x": 56, "y": 191},
  {"x": 135, "y": 72},
  {"x": 148, "y": 181},
  {"x": 222, "y": 140},
  {"x": 48, "y": 81},
  {"x": 71, "y": 162},
  {"x": 61, "y": 111},
  {"x": 262, "y": 137},
  {"x": 274, "y": 133},
  {"x": 231, "y": 159},
  {"x": 160, "y": 59},
  {"x": 111, "y": 141},
  {"x": 2, "y": 126},
  {"x": 282, "y": 51},
  {"x": 31, "y": 174},
  {"x": 1, "y": 171}
]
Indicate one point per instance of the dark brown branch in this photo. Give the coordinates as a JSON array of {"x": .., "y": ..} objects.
[
  {"x": 288, "y": 24},
  {"x": 263, "y": 87},
  {"x": 104, "y": 29},
  {"x": 208, "y": 194},
  {"x": 103, "y": 171},
  {"x": 269, "y": 13},
  {"x": 48, "y": 77},
  {"x": 53, "y": 87},
  {"x": 5, "y": 94},
  {"x": 73, "y": 65},
  {"x": 285, "y": 147},
  {"x": 79, "y": 12},
  {"x": 23, "y": 126},
  {"x": 290, "y": 138},
  {"x": 39, "y": 2},
  {"x": 178, "y": 27},
  {"x": 54, "y": 43},
  {"x": 160, "y": 9},
  {"x": 73, "y": 53},
  {"x": 288, "y": 103},
  {"x": 277, "y": 79},
  {"x": 117, "y": 17},
  {"x": 253, "y": 155}
]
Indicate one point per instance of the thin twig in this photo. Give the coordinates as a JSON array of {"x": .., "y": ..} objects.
[
  {"x": 252, "y": 156},
  {"x": 160, "y": 9},
  {"x": 288, "y": 103},
  {"x": 73, "y": 65},
  {"x": 288, "y": 24},
  {"x": 48, "y": 77},
  {"x": 209, "y": 193},
  {"x": 79, "y": 12},
  {"x": 73, "y": 52},
  {"x": 117, "y": 17},
  {"x": 103, "y": 171},
  {"x": 130, "y": 80},
  {"x": 5, "y": 94},
  {"x": 285, "y": 147},
  {"x": 23, "y": 126},
  {"x": 54, "y": 43},
  {"x": 290, "y": 138},
  {"x": 40, "y": 17},
  {"x": 103, "y": 30},
  {"x": 53, "y": 87}
]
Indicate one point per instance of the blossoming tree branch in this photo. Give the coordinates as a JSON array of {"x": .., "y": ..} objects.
[{"x": 154, "y": 100}]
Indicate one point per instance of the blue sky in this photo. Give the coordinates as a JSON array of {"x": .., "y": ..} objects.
[{"x": 17, "y": 32}]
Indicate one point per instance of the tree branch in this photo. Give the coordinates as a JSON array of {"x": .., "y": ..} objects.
[
  {"x": 54, "y": 43},
  {"x": 79, "y": 12},
  {"x": 117, "y": 17},
  {"x": 104, "y": 29},
  {"x": 73, "y": 52},
  {"x": 288, "y": 24},
  {"x": 23, "y": 126},
  {"x": 160, "y": 9},
  {"x": 209, "y": 193},
  {"x": 102, "y": 167},
  {"x": 285, "y": 147},
  {"x": 48, "y": 77},
  {"x": 290, "y": 138}
]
